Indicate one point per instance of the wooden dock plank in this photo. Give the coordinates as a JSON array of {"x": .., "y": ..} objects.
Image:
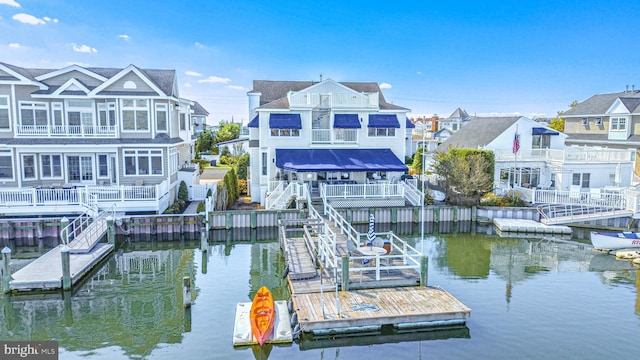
[
  {"x": 376, "y": 307},
  {"x": 301, "y": 265}
]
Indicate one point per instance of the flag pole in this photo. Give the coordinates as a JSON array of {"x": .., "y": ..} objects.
[{"x": 516, "y": 148}]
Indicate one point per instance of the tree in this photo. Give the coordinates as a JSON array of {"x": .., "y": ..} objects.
[
  {"x": 417, "y": 161},
  {"x": 468, "y": 174},
  {"x": 227, "y": 131},
  {"x": 204, "y": 142}
]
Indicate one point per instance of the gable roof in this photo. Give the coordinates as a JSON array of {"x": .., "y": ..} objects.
[
  {"x": 459, "y": 114},
  {"x": 598, "y": 104},
  {"x": 198, "y": 110},
  {"x": 274, "y": 90},
  {"x": 479, "y": 132},
  {"x": 631, "y": 104}
]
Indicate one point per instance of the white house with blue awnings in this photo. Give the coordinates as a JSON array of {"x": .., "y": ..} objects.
[{"x": 313, "y": 132}]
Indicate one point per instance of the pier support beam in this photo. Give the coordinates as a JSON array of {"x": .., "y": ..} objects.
[
  {"x": 424, "y": 269},
  {"x": 111, "y": 230},
  {"x": 64, "y": 222},
  {"x": 344, "y": 284},
  {"x": 6, "y": 272},
  {"x": 66, "y": 268}
]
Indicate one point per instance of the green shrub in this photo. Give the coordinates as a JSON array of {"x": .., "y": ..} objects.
[
  {"x": 200, "y": 207},
  {"x": 242, "y": 186}
]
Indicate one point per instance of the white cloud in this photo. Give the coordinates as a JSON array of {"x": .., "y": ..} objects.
[
  {"x": 46, "y": 18},
  {"x": 14, "y": 45},
  {"x": 235, "y": 87},
  {"x": 10, "y": 3},
  {"x": 124, "y": 37},
  {"x": 385, "y": 86},
  {"x": 187, "y": 85},
  {"x": 55, "y": 20},
  {"x": 198, "y": 45},
  {"x": 84, "y": 48},
  {"x": 419, "y": 72},
  {"x": 28, "y": 19},
  {"x": 215, "y": 80},
  {"x": 192, "y": 73}
]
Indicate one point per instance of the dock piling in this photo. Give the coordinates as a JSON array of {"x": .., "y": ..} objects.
[
  {"x": 6, "y": 272},
  {"x": 111, "y": 234},
  {"x": 186, "y": 291},
  {"x": 424, "y": 266},
  {"x": 66, "y": 268},
  {"x": 344, "y": 284},
  {"x": 64, "y": 222}
]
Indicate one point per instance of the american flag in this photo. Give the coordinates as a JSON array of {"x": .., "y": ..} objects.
[{"x": 516, "y": 143}]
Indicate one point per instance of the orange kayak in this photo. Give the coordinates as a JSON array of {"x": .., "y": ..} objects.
[{"x": 262, "y": 315}]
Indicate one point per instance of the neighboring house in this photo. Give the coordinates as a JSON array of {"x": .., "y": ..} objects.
[
  {"x": 323, "y": 131},
  {"x": 607, "y": 120},
  {"x": 423, "y": 133},
  {"x": 236, "y": 147},
  {"x": 99, "y": 129},
  {"x": 541, "y": 159},
  {"x": 455, "y": 121},
  {"x": 442, "y": 134},
  {"x": 198, "y": 118}
]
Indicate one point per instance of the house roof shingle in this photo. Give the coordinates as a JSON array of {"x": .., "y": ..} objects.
[
  {"x": 479, "y": 132},
  {"x": 599, "y": 104}
]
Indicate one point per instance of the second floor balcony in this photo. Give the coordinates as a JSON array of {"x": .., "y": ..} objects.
[
  {"x": 577, "y": 155},
  {"x": 66, "y": 131},
  {"x": 333, "y": 100},
  {"x": 334, "y": 136}
]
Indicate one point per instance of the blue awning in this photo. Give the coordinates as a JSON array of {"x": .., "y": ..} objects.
[
  {"x": 410, "y": 125},
  {"x": 285, "y": 121},
  {"x": 255, "y": 123},
  {"x": 543, "y": 131},
  {"x": 311, "y": 160},
  {"x": 346, "y": 121},
  {"x": 383, "y": 121}
]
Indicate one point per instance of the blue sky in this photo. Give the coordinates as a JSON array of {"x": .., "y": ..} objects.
[{"x": 488, "y": 57}]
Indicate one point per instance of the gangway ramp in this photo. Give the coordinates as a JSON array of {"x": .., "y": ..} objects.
[{"x": 555, "y": 214}]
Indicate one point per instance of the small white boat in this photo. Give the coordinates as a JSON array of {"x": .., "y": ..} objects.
[
  {"x": 437, "y": 195},
  {"x": 615, "y": 240}
]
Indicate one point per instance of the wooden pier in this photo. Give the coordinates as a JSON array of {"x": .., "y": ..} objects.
[
  {"x": 45, "y": 273},
  {"x": 337, "y": 291}
]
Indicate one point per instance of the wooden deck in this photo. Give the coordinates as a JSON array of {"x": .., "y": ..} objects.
[
  {"x": 45, "y": 273},
  {"x": 372, "y": 308},
  {"x": 376, "y": 296}
]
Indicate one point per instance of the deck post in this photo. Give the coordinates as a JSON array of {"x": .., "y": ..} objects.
[
  {"x": 64, "y": 222},
  {"x": 6, "y": 272},
  {"x": 111, "y": 235},
  {"x": 66, "y": 268},
  {"x": 344, "y": 284},
  {"x": 186, "y": 291},
  {"x": 424, "y": 266}
]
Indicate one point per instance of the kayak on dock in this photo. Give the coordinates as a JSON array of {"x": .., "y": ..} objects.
[{"x": 262, "y": 315}]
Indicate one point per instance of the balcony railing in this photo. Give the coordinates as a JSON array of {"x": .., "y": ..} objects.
[
  {"x": 65, "y": 131},
  {"x": 568, "y": 155},
  {"x": 334, "y": 136},
  {"x": 333, "y": 100}
]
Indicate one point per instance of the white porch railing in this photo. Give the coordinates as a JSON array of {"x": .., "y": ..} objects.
[
  {"x": 601, "y": 199},
  {"x": 363, "y": 191},
  {"x": 333, "y": 100},
  {"x": 413, "y": 194},
  {"x": 577, "y": 154},
  {"x": 279, "y": 200},
  {"x": 334, "y": 136},
  {"x": 66, "y": 130}
]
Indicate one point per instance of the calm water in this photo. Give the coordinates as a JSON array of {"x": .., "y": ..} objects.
[{"x": 530, "y": 299}]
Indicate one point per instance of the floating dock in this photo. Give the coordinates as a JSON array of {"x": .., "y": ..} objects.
[
  {"x": 242, "y": 335},
  {"x": 529, "y": 226},
  {"x": 367, "y": 310},
  {"x": 45, "y": 272}
]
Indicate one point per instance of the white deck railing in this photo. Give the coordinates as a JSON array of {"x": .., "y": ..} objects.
[
  {"x": 570, "y": 154},
  {"x": 66, "y": 130},
  {"x": 279, "y": 199},
  {"x": 334, "y": 136},
  {"x": 362, "y": 191},
  {"x": 333, "y": 100}
]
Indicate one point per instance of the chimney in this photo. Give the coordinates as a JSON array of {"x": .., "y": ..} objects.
[
  {"x": 626, "y": 88},
  {"x": 320, "y": 77}
]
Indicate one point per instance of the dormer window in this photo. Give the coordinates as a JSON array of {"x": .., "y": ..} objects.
[
  {"x": 618, "y": 124},
  {"x": 598, "y": 121},
  {"x": 585, "y": 121}
]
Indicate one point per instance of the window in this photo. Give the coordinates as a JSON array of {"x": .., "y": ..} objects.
[
  {"x": 28, "y": 166},
  {"x": 135, "y": 115},
  {"x": 143, "y": 162},
  {"x": 285, "y": 132},
  {"x": 541, "y": 141},
  {"x": 56, "y": 118},
  {"x": 80, "y": 116},
  {"x": 51, "y": 166},
  {"x": 585, "y": 121},
  {"x": 582, "y": 179},
  {"x": 618, "y": 124},
  {"x": 6, "y": 165},
  {"x": 174, "y": 161},
  {"x": 161, "y": 118},
  {"x": 598, "y": 121},
  {"x": 183, "y": 122},
  {"x": 34, "y": 114},
  {"x": 103, "y": 166},
  {"x": 80, "y": 168},
  {"x": 107, "y": 114},
  {"x": 264, "y": 163},
  {"x": 4, "y": 112},
  {"x": 382, "y": 132}
]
